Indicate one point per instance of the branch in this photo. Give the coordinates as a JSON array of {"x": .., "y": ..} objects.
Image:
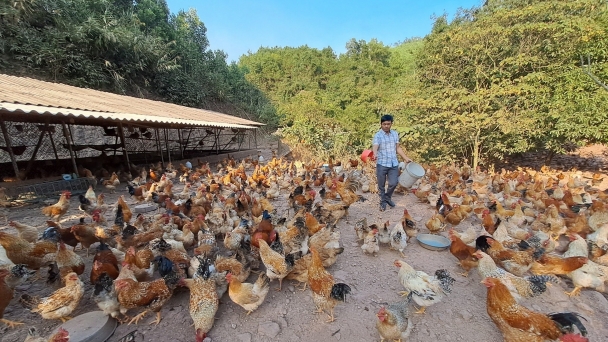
[{"x": 590, "y": 74}]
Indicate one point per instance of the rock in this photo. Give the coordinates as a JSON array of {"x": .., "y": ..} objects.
[
  {"x": 338, "y": 336},
  {"x": 354, "y": 244},
  {"x": 282, "y": 322},
  {"x": 466, "y": 315},
  {"x": 233, "y": 326},
  {"x": 207, "y": 339},
  {"x": 246, "y": 337},
  {"x": 269, "y": 328},
  {"x": 291, "y": 288}
]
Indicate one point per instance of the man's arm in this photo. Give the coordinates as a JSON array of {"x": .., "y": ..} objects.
[
  {"x": 375, "y": 151},
  {"x": 402, "y": 154}
]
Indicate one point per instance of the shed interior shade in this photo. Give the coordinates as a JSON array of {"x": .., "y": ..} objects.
[{"x": 27, "y": 95}]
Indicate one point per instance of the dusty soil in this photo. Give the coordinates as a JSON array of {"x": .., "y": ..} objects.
[{"x": 288, "y": 315}]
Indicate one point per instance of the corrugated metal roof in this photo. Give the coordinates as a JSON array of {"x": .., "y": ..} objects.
[
  {"x": 57, "y": 99},
  {"x": 40, "y": 110}
]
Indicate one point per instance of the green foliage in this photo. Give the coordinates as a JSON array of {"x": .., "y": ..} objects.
[{"x": 137, "y": 48}]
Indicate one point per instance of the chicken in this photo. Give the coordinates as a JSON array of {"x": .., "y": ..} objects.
[
  {"x": 18, "y": 274},
  {"x": 27, "y": 233},
  {"x": 361, "y": 228},
  {"x": 325, "y": 291},
  {"x": 394, "y": 321},
  {"x": 265, "y": 231},
  {"x": 62, "y": 302},
  {"x": 58, "y": 209},
  {"x": 85, "y": 234},
  {"x": 456, "y": 215},
  {"x": 555, "y": 265},
  {"x": 204, "y": 300},
  {"x": 19, "y": 251},
  {"x": 516, "y": 262},
  {"x": 409, "y": 225},
  {"x": 139, "y": 193},
  {"x": 398, "y": 238},
  {"x": 248, "y": 296},
  {"x": 520, "y": 324},
  {"x": 6, "y": 294},
  {"x": 426, "y": 290},
  {"x": 104, "y": 294},
  {"x": 300, "y": 269},
  {"x": 126, "y": 211},
  {"x": 112, "y": 183},
  {"x": 140, "y": 263},
  {"x": 132, "y": 294},
  {"x": 590, "y": 275},
  {"x": 370, "y": 243},
  {"x": 435, "y": 223},
  {"x": 462, "y": 252},
  {"x": 68, "y": 261},
  {"x": 384, "y": 234},
  {"x": 104, "y": 262},
  {"x": 61, "y": 335},
  {"x": 312, "y": 224},
  {"x": 488, "y": 222},
  {"x": 531, "y": 286},
  {"x": 277, "y": 265}
]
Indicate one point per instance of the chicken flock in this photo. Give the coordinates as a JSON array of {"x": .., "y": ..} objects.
[{"x": 141, "y": 259}]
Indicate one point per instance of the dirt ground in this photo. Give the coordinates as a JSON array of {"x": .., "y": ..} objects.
[{"x": 288, "y": 315}]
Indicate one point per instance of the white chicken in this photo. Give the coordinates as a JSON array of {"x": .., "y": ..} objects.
[
  {"x": 425, "y": 290},
  {"x": 370, "y": 243}
]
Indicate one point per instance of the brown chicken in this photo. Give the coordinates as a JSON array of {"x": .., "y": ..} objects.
[
  {"x": 104, "y": 262},
  {"x": 139, "y": 263},
  {"x": 435, "y": 223},
  {"x": 516, "y": 262},
  {"x": 65, "y": 234},
  {"x": 126, "y": 211},
  {"x": 277, "y": 265},
  {"x": 553, "y": 264},
  {"x": 456, "y": 215},
  {"x": 325, "y": 292},
  {"x": 265, "y": 231},
  {"x": 462, "y": 252},
  {"x": 58, "y": 209},
  {"x": 394, "y": 321},
  {"x": 68, "y": 261},
  {"x": 133, "y": 294},
  {"x": 20, "y": 251},
  {"x": 28, "y": 233},
  {"x": 62, "y": 302},
  {"x": 300, "y": 269},
  {"x": 488, "y": 222},
  {"x": 85, "y": 234},
  {"x": 204, "y": 300},
  {"x": 6, "y": 294},
  {"x": 520, "y": 324},
  {"x": 248, "y": 296},
  {"x": 312, "y": 224}
]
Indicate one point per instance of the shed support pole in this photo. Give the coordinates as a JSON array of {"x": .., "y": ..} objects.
[
  {"x": 66, "y": 133},
  {"x": 31, "y": 162},
  {"x": 72, "y": 139},
  {"x": 124, "y": 145},
  {"x": 255, "y": 138},
  {"x": 53, "y": 145},
  {"x": 217, "y": 141},
  {"x": 181, "y": 145},
  {"x": 9, "y": 147},
  {"x": 160, "y": 149},
  {"x": 167, "y": 144}
]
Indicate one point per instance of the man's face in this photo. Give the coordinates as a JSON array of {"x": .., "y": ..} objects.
[{"x": 386, "y": 126}]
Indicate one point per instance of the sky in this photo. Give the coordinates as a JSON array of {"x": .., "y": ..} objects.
[{"x": 240, "y": 26}]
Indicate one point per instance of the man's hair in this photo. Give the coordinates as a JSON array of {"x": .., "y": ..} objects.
[{"x": 386, "y": 117}]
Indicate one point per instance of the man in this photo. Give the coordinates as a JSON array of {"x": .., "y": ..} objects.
[{"x": 385, "y": 148}]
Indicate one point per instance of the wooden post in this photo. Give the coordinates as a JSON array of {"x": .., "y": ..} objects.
[
  {"x": 167, "y": 144},
  {"x": 72, "y": 138},
  {"x": 31, "y": 162},
  {"x": 53, "y": 145},
  {"x": 217, "y": 141},
  {"x": 9, "y": 147},
  {"x": 181, "y": 146},
  {"x": 66, "y": 134},
  {"x": 255, "y": 137},
  {"x": 160, "y": 149},
  {"x": 124, "y": 145}
]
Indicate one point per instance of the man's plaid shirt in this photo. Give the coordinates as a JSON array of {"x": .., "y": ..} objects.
[{"x": 387, "y": 148}]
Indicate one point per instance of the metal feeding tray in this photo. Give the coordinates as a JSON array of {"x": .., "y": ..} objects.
[
  {"x": 144, "y": 208},
  {"x": 94, "y": 326},
  {"x": 433, "y": 242}
]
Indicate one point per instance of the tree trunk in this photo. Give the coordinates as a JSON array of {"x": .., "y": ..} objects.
[{"x": 476, "y": 145}]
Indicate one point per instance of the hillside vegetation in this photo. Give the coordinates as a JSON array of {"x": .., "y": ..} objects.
[{"x": 506, "y": 78}]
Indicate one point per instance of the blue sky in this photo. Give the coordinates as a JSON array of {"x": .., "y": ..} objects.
[{"x": 239, "y": 26}]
